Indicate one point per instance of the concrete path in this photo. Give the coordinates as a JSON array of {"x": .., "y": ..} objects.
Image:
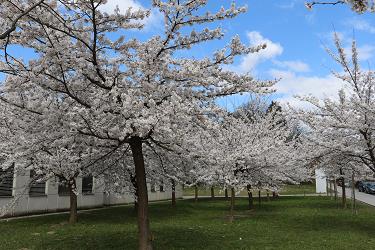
[
  {"x": 255, "y": 196},
  {"x": 360, "y": 196}
]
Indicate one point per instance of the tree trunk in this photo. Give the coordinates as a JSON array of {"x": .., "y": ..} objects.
[
  {"x": 212, "y": 192},
  {"x": 335, "y": 187},
  {"x": 354, "y": 205},
  {"x": 343, "y": 189},
  {"x": 226, "y": 193},
  {"x": 134, "y": 183},
  {"x": 73, "y": 203},
  {"x": 250, "y": 196},
  {"x": 196, "y": 193},
  {"x": 259, "y": 198},
  {"x": 327, "y": 188},
  {"x": 268, "y": 195},
  {"x": 144, "y": 233},
  {"x": 173, "y": 193},
  {"x": 232, "y": 197},
  {"x": 343, "y": 194},
  {"x": 274, "y": 195},
  {"x": 330, "y": 189}
]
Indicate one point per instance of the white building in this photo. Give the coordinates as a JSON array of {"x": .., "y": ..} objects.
[
  {"x": 49, "y": 196},
  {"x": 320, "y": 181}
]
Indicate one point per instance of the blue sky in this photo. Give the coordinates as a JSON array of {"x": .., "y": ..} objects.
[{"x": 295, "y": 36}]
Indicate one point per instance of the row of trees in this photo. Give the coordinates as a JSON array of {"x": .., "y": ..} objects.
[
  {"x": 90, "y": 102},
  {"x": 341, "y": 130},
  {"x": 93, "y": 99}
]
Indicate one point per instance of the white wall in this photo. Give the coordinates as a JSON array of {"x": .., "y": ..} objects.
[
  {"x": 320, "y": 181},
  {"x": 52, "y": 202},
  {"x": 113, "y": 199}
]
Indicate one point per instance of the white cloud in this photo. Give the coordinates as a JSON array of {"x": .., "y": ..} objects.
[
  {"x": 154, "y": 20},
  {"x": 122, "y": 4},
  {"x": 291, "y": 85},
  {"x": 310, "y": 18},
  {"x": 295, "y": 66},
  {"x": 293, "y": 80},
  {"x": 276, "y": 73},
  {"x": 366, "y": 52},
  {"x": 289, "y": 5},
  {"x": 360, "y": 24},
  {"x": 272, "y": 50}
]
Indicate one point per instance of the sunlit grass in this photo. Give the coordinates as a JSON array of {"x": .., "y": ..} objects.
[{"x": 284, "y": 223}]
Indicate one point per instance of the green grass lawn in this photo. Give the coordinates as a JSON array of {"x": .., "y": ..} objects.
[
  {"x": 306, "y": 188},
  {"x": 285, "y": 223}
]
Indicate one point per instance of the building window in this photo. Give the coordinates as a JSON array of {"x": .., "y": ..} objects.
[
  {"x": 87, "y": 184},
  {"x": 6, "y": 181},
  {"x": 153, "y": 190},
  {"x": 37, "y": 188},
  {"x": 161, "y": 187},
  {"x": 63, "y": 188}
]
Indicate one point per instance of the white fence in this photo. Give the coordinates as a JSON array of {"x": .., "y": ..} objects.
[{"x": 52, "y": 201}]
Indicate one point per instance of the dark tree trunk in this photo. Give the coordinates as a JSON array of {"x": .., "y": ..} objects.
[
  {"x": 144, "y": 233},
  {"x": 73, "y": 203},
  {"x": 173, "y": 193},
  {"x": 250, "y": 196},
  {"x": 268, "y": 195},
  {"x": 343, "y": 194},
  {"x": 226, "y": 193},
  {"x": 134, "y": 183},
  {"x": 330, "y": 189},
  {"x": 335, "y": 188},
  {"x": 259, "y": 198},
  {"x": 212, "y": 192},
  {"x": 196, "y": 193},
  {"x": 274, "y": 195},
  {"x": 232, "y": 200},
  {"x": 343, "y": 189},
  {"x": 354, "y": 205}
]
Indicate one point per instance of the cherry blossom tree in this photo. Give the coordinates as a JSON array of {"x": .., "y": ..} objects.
[
  {"x": 42, "y": 143},
  {"x": 345, "y": 125},
  {"x": 359, "y": 6},
  {"x": 255, "y": 151},
  {"x": 121, "y": 90},
  {"x": 13, "y": 11}
]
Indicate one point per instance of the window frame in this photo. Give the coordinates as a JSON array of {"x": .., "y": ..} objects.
[
  {"x": 63, "y": 188},
  {"x": 8, "y": 173},
  {"x": 36, "y": 185},
  {"x": 91, "y": 192}
]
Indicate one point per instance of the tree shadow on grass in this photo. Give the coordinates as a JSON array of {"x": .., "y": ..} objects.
[{"x": 166, "y": 237}]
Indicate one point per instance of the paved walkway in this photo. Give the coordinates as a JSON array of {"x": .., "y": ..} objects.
[
  {"x": 254, "y": 196},
  {"x": 360, "y": 196}
]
